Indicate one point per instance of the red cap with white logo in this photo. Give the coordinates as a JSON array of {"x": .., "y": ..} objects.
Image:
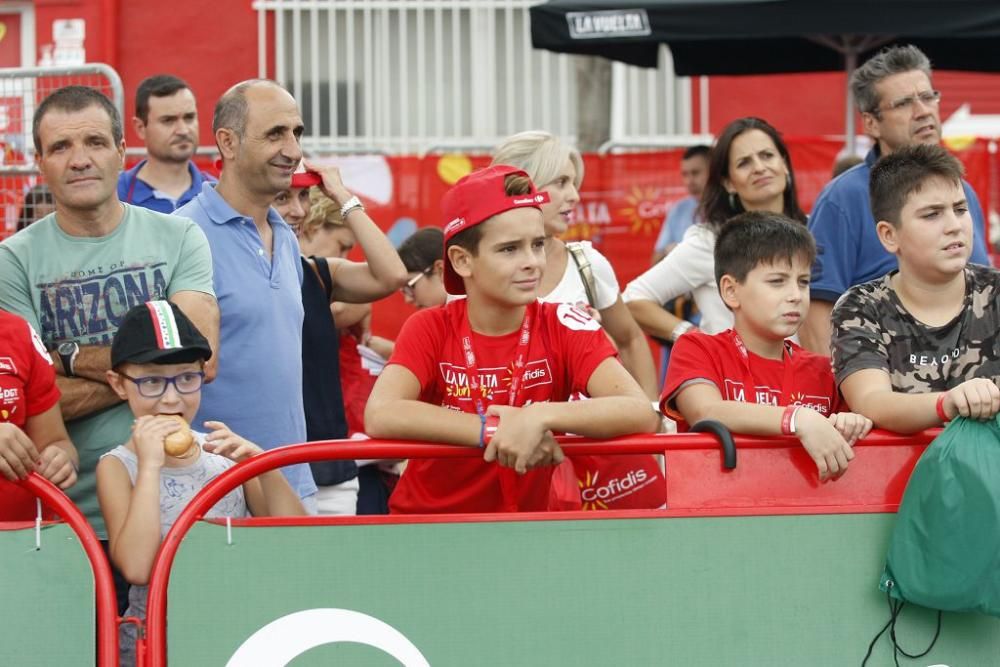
[{"x": 475, "y": 199}]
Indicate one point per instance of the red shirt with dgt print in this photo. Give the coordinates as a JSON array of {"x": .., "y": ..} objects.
[{"x": 27, "y": 388}]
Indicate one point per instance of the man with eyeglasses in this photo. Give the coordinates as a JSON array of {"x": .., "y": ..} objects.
[{"x": 899, "y": 107}]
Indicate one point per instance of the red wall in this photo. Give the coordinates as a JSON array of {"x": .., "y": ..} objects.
[
  {"x": 814, "y": 104},
  {"x": 90, "y": 11},
  {"x": 211, "y": 44}
]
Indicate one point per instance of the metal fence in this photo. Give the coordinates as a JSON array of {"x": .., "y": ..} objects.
[
  {"x": 21, "y": 89},
  {"x": 412, "y": 76}
]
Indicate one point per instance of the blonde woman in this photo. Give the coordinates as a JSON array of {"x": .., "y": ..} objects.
[
  {"x": 558, "y": 170},
  {"x": 322, "y": 232}
]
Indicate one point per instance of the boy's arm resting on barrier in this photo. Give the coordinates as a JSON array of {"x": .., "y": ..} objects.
[
  {"x": 81, "y": 397},
  {"x": 870, "y": 392},
  {"x": 269, "y": 494},
  {"x": 632, "y": 346},
  {"x": 617, "y": 406},
  {"x": 394, "y": 412},
  {"x": 827, "y": 440},
  {"x": 203, "y": 311},
  {"x": 132, "y": 513},
  {"x": 58, "y": 458}
]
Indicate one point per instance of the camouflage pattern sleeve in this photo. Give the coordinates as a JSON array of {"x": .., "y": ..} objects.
[{"x": 862, "y": 329}]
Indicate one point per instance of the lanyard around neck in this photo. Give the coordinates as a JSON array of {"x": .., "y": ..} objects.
[
  {"x": 749, "y": 386},
  {"x": 520, "y": 359}
]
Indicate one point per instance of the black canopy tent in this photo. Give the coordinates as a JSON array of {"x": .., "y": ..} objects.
[{"x": 771, "y": 36}]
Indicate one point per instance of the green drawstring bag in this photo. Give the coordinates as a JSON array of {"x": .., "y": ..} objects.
[
  {"x": 944, "y": 552},
  {"x": 945, "y": 547}
]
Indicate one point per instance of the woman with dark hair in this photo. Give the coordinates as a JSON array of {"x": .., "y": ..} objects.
[
  {"x": 423, "y": 256},
  {"x": 750, "y": 170}
]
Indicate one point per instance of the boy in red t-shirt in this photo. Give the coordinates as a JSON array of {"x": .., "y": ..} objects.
[
  {"x": 32, "y": 434},
  {"x": 751, "y": 378},
  {"x": 495, "y": 370}
]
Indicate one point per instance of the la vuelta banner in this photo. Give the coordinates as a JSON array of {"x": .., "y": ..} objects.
[{"x": 624, "y": 197}]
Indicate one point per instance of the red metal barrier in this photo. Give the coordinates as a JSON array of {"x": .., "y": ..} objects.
[
  {"x": 104, "y": 586},
  {"x": 772, "y": 476}
]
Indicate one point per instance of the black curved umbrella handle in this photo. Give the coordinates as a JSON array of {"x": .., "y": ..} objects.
[{"x": 725, "y": 440}]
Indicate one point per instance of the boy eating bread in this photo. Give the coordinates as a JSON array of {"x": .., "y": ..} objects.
[{"x": 157, "y": 360}]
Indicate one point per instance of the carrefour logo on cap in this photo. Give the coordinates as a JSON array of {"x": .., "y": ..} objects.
[
  {"x": 612, "y": 23},
  {"x": 453, "y": 225},
  {"x": 529, "y": 201}
]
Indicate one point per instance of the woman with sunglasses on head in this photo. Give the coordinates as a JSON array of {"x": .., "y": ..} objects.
[
  {"x": 576, "y": 273},
  {"x": 749, "y": 170}
]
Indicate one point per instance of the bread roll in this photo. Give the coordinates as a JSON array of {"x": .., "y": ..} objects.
[{"x": 178, "y": 442}]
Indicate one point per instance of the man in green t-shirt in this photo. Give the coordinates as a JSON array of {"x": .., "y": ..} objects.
[{"x": 75, "y": 273}]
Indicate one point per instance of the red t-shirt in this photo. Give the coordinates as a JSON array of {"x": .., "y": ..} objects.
[
  {"x": 698, "y": 357},
  {"x": 355, "y": 384},
  {"x": 566, "y": 347},
  {"x": 27, "y": 388}
]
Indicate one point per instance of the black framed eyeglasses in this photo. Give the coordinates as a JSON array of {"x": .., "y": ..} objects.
[{"x": 154, "y": 386}]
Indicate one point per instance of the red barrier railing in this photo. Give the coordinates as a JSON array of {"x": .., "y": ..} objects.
[
  {"x": 104, "y": 586},
  {"x": 762, "y": 467}
]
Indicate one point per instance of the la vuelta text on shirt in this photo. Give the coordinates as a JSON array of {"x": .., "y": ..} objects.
[
  {"x": 735, "y": 391},
  {"x": 493, "y": 381}
]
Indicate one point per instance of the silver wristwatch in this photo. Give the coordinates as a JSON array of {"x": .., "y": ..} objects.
[
  {"x": 350, "y": 205},
  {"x": 67, "y": 354}
]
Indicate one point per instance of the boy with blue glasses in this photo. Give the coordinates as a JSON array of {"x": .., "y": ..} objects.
[{"x": 157, "y": 361}]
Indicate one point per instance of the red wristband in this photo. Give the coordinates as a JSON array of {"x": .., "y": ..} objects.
[
  {"x": 492, "y": 422},
  {"x": 939, "y": 408},
  {"x": 787, "y": 420}
]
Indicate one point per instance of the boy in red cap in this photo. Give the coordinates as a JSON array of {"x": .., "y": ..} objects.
[{"x": 495, "y": 370}]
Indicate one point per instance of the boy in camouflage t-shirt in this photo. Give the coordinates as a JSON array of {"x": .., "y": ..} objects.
[{"x": 918, "y": 346}]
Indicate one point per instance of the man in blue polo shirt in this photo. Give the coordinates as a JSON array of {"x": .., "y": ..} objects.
[
  {"x": 166, "y": 119},
  {"x": 258, "y": 389},
  {"x": 899, "y": 108}
]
